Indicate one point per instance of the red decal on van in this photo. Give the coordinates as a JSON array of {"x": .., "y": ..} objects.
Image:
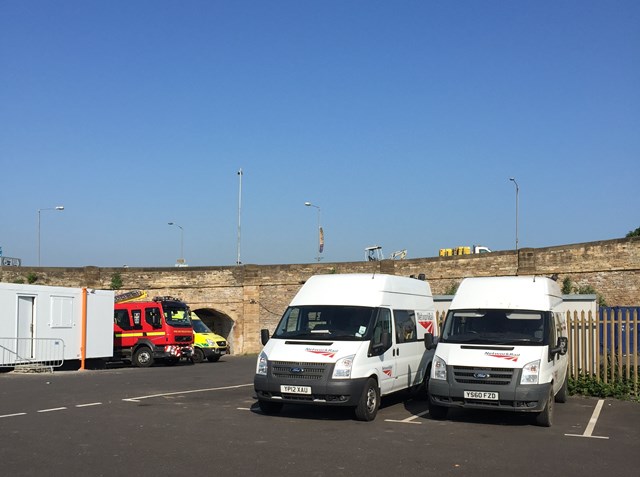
[{"x": 427, "y": 325}]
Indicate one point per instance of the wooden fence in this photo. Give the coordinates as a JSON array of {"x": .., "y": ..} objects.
[{"x": 605, "y": 346}]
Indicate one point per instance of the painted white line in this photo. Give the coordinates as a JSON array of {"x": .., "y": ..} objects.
[
  {"x": 14, "y": 415},
  {"x": 139, "y": 398},
  {"x": 588, "y": 432},
  {"x": 409, "y": 420},
  {"x": 238, "y": 408},
  {"x": 89, "y": 404},
  {"x": 53, "y": 409}
]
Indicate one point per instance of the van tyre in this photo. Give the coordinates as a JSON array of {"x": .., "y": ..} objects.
[
  {"x": 545, "y": 418},
  {"x": 269, "y": 407},
  {"x": 437, "y": 412},
  {"x": 563, "y": 393},
  {"x": 369, "y": 403},
  {"x": 142, "y": 357},
  {"x": 198, "y": 355}
]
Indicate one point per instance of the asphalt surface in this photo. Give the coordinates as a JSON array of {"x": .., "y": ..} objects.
[{"x": 203, "y": 420}]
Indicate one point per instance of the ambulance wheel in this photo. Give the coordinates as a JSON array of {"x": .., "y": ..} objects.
[
  {"x": 561, "y": 397},
  {"x": 545, "y": 418},
  {"x": 198, "y": 355},
  {"x": 269, "y": 407},
  {"x": 369, "y": 403},
  {"x": 214, "y": 358},
  {"x": 437, "y": 412},
  {"x": 142, "y": 358}
]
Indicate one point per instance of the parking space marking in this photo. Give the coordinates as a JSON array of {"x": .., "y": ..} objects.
[
  {"x": 588, "y": 432},
  {"x": 53, "y": 409},
  {"x": 409, "y": 420},
  {"x": 89, "y": 404},
  {"x": 140, "y": 398}
]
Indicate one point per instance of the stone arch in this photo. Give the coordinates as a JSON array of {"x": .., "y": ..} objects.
[{"x": 218, "y": 322}]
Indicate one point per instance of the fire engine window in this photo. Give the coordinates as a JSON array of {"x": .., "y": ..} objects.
[
  {"x": 137, "y": 319},
  {"x": 121, "y": 318},
  {"x": 405, "y": 326},
  {"x": 152, "y": 317}
]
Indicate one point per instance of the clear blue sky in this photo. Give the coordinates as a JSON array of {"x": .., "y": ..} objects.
[{"x": 402, "y": 121}]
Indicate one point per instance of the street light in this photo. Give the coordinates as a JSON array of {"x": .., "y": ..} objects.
[
  {"x": 512, "y": 179},
  {"x": 181, "y": 260},
  {"x": 320, "y": 238},
  {"x": 59, "y": 207}
]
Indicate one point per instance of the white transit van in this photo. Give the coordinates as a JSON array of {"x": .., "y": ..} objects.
[
  {"x": 503, "y": 346},
  {"x": 346, "y": 340}
]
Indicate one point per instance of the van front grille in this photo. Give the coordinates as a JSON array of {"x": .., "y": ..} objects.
[
  {"x": 297, "y": 370},
  {"x": 474, "y": 375}
]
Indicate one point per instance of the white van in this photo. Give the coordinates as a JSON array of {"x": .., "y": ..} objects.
[
  {"x": 346, "y": 340},
  {"x": 503, "y": 346}
]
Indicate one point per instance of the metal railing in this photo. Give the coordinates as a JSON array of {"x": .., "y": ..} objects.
[{"x": 31, "y": 353}]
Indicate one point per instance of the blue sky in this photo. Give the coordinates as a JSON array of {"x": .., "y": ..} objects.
[{"x": 403, "y": 121}]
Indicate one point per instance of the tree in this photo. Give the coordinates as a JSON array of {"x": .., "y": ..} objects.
[{"x": 634, "y": 233}]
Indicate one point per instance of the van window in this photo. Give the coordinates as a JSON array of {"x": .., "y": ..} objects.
[
  {"x": 121, "y": 318},
  {"x": 495, "y": 327},
  {"x": 326, "y": 322},
  {"x": 382, "y": 324},
  {"x": 405, "y": 326}
]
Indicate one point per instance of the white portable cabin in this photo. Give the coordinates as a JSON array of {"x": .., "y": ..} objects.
[{"x": 32, "y": 315}]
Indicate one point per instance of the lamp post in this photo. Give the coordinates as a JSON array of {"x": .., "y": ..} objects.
[
  {"x": 512, "y": 179},
  {"x": 181, "y": 260},
  {"x": 59, "y": 207},
  {"x": 238, "y": 262},
  {"x": 320, "y": 245}
]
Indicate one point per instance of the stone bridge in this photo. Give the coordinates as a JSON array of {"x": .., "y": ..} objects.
[{"x": 237, "y": 301}]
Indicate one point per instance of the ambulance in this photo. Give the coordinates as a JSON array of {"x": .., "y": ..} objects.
[
  {"x": 347, "y": 340},
  {"x": 503, "y": 347}
]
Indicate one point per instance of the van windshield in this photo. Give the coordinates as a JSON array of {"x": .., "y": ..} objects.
[
  {"x": 326, "y": 323},
  {"x": 506, "y": 327},
  {"x": 200, "y": 327}
]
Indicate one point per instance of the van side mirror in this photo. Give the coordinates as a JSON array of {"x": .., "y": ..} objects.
[
  {"x": 429, "y": 341},
  {"x": 264, "y": 336},
  {"x": 561, "y": 347}
]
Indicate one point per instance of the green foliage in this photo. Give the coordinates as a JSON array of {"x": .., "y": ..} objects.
[
  {"x": 634, "y": 233},
  {"x": 32, "y": 278},
  {"x": 568, "y": 287},
  {"x": 588, "y": 385},
  {"x": 116, "y": 281},
  {"x": 18, "y": 281},
  {"x": 452, "y": 289}
]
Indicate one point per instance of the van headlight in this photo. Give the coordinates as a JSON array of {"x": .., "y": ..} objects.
[
  {"x": 262, "y": 365},
  {"x": 530, "y": 373},
  {"x": 342, "y": 369},
  {"x": 439, "y": 369}
]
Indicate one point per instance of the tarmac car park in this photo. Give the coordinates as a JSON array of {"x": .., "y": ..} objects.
[{"x": 142, "y": 421}]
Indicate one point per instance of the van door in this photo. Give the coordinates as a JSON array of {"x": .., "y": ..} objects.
[
  {"x": 407, "y": 350},
  {"x": 384, "y": 359}
]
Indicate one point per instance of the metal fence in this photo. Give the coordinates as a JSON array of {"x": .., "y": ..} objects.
[
  {"x": 605, "y": 346},
  {"x": 31, "y": 352}
]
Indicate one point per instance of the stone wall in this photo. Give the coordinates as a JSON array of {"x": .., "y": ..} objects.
[{"x": 255, "y": 296}]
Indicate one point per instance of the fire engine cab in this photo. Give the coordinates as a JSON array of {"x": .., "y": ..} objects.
[{"x": 147, "y": 331}]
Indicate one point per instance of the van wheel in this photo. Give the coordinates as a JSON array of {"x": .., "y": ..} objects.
[
  {"x": 437, "y": 412},
  {"x": 545, "y": 418},
  {"x": 561, "y": 397},
  {"x": 142, "y": 358},
  {"x": 214, "y": 358},
  {"x": 198, "y": 355},
  {"x": 369, "y": 403},
  {"x": 269, "y": 407}
]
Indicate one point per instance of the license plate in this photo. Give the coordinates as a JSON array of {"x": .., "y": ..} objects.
[
  {"x": 286, "y": 389},
  {"x": 485, "y": 395}
]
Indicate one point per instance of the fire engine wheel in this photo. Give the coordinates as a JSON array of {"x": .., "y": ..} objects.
[
  {"x": 142, "y": 358},
  {"x": 369, "y": 403},
  {"x": 198, "y": 355}
]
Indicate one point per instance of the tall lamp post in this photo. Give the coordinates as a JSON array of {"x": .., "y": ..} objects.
[
  {"x": 181, "y": 260},
  {"x": 238, "y": 262},
  {"x": 59, "y": 207},
  {"x": 512, "y": 179},
  {"x": 320, "y": 244}
]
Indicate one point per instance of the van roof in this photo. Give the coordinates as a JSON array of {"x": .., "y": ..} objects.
[
  {"x": 510, "y": 293},
  {"x": 359, "y": 289}
]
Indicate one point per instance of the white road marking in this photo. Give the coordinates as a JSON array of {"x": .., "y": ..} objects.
[
  {"x": 13, "y": 415},
  {"x": 588, "y": 432},
  {"x": 139, "y": 398},
  {"x": 53, "y": 409},
  {"x": 409, "y": 420},
  {"x": 89, "y": 404}
]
